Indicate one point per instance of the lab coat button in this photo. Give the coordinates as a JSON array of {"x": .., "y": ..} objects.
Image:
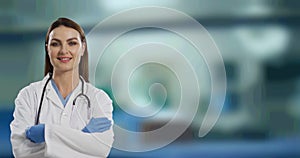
[{"x": 64, "y": 114}]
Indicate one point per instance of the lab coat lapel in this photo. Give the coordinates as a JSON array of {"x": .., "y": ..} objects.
[
  {"x": 69, "y": 106},
  {"x": 75, "y": 92},
  {"x": 51, "y": 95}
]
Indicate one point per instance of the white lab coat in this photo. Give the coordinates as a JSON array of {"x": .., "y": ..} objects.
[{"x": 63, "y": 125}]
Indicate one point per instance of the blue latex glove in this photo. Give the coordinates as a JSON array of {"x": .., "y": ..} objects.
[
  {"x": 99, "y": 124},
  {"x": 36, "y": 133}
]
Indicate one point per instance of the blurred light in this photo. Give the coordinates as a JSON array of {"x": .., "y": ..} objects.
[
  {"x": 118, "y": 5},
  {"x": 257, "y": 8},
  {"x": 264, "y": 42}
]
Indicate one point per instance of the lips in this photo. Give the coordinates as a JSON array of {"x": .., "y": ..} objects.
[{"x": 64, "y": 59}]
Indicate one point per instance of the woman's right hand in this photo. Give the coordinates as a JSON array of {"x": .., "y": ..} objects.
[{"x": 36, "y": 133}]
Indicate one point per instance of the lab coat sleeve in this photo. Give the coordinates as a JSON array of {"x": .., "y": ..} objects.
[
  {"x": 67, "y": 142},
  {"x": 23, "y": 118}
]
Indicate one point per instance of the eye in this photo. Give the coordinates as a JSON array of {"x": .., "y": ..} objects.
[
  {"x": 54, "y": 44},
  {"x": 72, "y": 43}
]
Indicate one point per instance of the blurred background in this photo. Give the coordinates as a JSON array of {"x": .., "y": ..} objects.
[{"x": 258, "y": 41}]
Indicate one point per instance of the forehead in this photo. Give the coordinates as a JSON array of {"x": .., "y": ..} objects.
[{"x": 64, "y": 33}]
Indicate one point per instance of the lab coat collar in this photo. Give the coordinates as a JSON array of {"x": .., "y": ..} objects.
[{"x": 52, "y": 95}]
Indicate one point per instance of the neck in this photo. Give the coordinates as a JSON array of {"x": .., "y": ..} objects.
[{"x": 66, "y": 81}]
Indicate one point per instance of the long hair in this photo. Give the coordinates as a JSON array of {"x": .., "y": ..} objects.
[{"x": 84, "y": 64}]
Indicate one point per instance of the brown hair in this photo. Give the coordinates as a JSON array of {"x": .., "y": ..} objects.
[{"x": 83, "y": 65}]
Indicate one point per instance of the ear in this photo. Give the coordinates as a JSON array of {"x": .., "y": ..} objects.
[
  {"x": 46, "y": 48},
  {"x": 83, "y": 48}
]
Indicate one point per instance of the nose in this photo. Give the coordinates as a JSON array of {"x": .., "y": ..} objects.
[{"x": 64, "y": 49}]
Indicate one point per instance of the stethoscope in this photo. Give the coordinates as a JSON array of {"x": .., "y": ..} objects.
[{"x": 74, "y": 101}]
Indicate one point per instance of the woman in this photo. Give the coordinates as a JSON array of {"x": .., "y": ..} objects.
[{"x": 67, "y": 117}]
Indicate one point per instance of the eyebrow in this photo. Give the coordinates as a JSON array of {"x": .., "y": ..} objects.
[{"x": 70, "y": 39}]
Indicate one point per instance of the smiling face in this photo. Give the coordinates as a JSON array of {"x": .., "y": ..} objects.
[{"x": 65, "y": 49}]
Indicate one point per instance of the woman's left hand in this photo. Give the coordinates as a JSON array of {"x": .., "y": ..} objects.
[{"x": 99, "y": 124}]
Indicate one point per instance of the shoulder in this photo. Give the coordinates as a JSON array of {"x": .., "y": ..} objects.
[
  {"x": 32, "y": 88},
  {"x": 101, "y": 102},
  {"x": 100, "y": 94},
  {"x": 29, "y": 94}
]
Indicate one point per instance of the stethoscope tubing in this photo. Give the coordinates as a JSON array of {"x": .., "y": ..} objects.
[{"x": 74, "y": 101}]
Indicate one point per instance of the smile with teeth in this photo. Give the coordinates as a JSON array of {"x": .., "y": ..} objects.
[{"x": 64, "y": 59}]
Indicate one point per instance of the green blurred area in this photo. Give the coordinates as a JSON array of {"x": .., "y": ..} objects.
[{"x": 258, "y": 41}]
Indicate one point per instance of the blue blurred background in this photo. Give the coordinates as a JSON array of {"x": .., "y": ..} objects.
[{"x": 258, "y": 41}]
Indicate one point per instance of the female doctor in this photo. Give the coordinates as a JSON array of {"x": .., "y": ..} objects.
[{"x": 63, "y": 115}]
